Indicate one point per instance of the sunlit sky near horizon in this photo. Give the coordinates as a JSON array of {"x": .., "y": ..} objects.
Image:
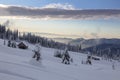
[{"x": 67, "y": 28}]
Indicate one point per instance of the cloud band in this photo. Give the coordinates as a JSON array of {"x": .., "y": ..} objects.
[{"x": 54, "y": 13}]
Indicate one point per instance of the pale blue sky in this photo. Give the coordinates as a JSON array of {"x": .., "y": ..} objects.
[{"x": 91, "y": 4}]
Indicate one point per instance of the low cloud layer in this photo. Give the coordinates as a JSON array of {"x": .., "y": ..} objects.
[{"x": 55, "y": 13}]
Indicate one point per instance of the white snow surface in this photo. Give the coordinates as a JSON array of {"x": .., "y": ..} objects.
[{"x": 17, "y": 64}]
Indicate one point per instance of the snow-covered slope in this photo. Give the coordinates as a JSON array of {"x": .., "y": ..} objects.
[{"x": 17, "y": 64}]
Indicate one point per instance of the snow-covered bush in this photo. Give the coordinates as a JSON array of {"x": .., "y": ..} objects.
[{"x": 58, "y": 54}]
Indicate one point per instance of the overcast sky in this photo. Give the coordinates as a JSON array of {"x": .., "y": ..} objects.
[{"x": 64, "y": 18}]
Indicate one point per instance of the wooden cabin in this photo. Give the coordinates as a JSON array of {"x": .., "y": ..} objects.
[{"x": 22, "y": 45}]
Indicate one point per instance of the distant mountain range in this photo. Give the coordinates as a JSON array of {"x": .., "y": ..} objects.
[
  {"x": 85, "y": 43},
  {"x": 106, "y": 50},
  {"x": 92, "y": 42},
  {"x": 104, "y": 47},
  {"x": 100, "y": 46}
]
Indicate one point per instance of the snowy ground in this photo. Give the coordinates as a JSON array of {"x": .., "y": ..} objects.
[{"x": 17, "y": 64}]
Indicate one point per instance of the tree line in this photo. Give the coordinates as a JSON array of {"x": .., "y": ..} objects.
[{"x": 15, "y": 35}]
